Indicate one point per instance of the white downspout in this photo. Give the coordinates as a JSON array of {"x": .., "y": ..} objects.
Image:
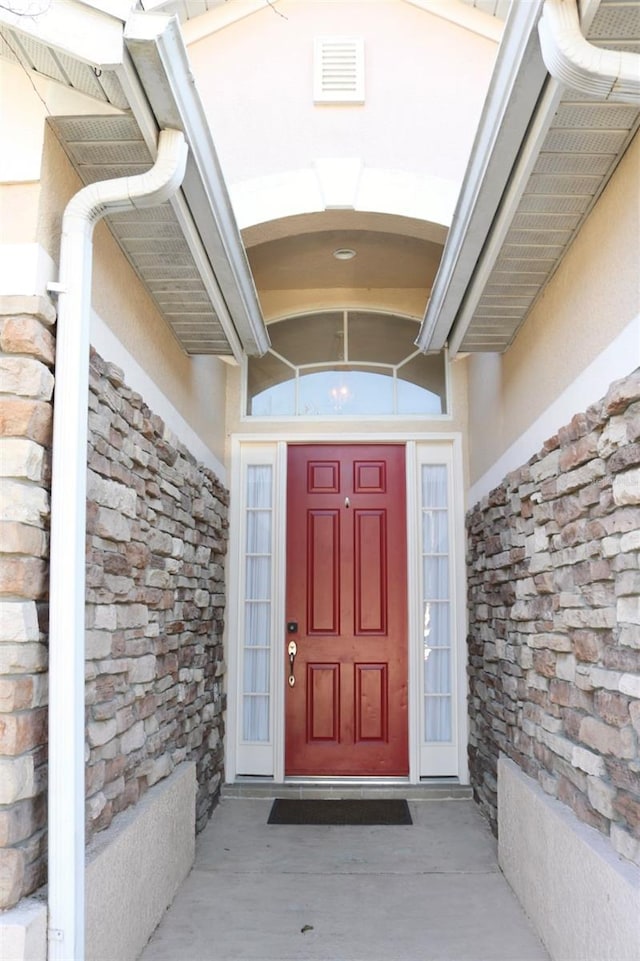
[
  {"x": 611, "y": 75},
  {"x": 68, "y": 532}
]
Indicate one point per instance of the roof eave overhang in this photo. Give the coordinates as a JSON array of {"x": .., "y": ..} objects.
[
  {"x": 516, "y": 85},
  {"x": 78, "y": 30},
  {"x": 149, "y": 57},
  {"x": 160, "y": 59},
  {"x": 535, "y": 153}
]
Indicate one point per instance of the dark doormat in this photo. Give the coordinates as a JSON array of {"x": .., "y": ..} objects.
[{"x": 339, "y": 811}]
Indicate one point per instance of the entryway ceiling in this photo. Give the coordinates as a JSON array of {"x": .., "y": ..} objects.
[{"x": 383, "y": 259}]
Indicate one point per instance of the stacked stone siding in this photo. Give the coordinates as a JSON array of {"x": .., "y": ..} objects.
[
  {"x": 26, "y": 386},
  {"x": 156, "y": 542},
  {"x": 554, "y": 621}
]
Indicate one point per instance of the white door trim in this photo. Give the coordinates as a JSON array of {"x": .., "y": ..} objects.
[{"x": 274, "y": 447}]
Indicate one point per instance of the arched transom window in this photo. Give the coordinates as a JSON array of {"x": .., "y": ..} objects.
[{"x": 347, "y": 363}]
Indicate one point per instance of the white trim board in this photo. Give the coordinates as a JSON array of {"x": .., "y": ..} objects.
[
  {"x": 617, "y": 360},
  {"x": 291, "y": 193},
  {"x": 110, "y": 349},
  {"x": 25, "y": 269},
  {"x": 469, "y": 18}
]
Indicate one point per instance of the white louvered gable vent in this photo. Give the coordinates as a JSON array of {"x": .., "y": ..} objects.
[{"x": 338, "y": 70}]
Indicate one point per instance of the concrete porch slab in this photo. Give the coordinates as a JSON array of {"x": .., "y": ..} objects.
[{"x": 432, "y": 891}]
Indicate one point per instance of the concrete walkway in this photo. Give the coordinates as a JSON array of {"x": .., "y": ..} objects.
[{"x": 432, "y": 891}]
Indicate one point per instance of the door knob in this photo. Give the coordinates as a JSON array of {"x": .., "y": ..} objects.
[{"x": 292, "y": 650}]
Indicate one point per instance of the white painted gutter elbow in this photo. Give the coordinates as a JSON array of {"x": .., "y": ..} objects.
[
  {"x": 612, "y": 75},
  {"x": 68, "y": 532}
]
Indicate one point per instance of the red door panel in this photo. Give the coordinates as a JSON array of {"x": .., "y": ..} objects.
[
  {"x": 370, "y": 586},
  {"x": 346, "y": 714}
]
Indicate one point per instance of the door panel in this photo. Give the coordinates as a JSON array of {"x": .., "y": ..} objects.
[
  {"x": 371, "y": 702},
  {"x": 323, "y": 571},
  {"x": 346, "y": 713},
  {"x": 323, "y": 702},
  {"x": 370, "y": 587}
]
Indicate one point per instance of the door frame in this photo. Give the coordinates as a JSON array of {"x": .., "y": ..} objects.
[{"x": 273, "y": 446}]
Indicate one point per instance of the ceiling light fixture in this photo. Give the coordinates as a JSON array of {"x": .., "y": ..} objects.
[{"x": 344, "y": 253}]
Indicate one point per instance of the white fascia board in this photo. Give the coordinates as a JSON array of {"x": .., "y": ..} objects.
[
  {"x": 197, "y": 28},
  {"x": 161, "y": 61},
  {"x": 73, "y": 28},
  {"x": 518, "y": 78}
]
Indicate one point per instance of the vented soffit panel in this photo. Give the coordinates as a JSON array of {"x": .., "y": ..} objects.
[
  {"x": 579, "y": 152},
  {"x": 105, "y": 147},
  {"x": 36, "y": 57},
  {"x": 584, "y": 145}
]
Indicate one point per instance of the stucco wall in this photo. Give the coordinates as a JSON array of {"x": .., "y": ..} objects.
[
  {"x": 264, "y": 65},
  {"x": 582, "y": 899},
  {"x": 592, "y": 298}
]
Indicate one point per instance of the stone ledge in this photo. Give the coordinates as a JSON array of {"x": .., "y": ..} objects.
[
  {"x": 23, "y": 932},
  {"x": 139, "y": 861},
  {"x": 583, "y": 900},
  {"x": 15, "y": 305}
]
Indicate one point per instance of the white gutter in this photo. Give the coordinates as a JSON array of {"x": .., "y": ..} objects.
[
  {"x": 612, "y": 75},
  {"x": 68, "y": 532}
]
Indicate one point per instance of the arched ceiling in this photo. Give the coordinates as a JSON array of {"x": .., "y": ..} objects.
[{"x": 395, "y": 261}]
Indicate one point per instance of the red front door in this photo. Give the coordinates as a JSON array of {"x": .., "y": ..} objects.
[{"x": 346, "y": 712}]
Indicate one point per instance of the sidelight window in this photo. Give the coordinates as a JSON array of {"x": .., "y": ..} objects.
[
  {"x": 436, "y": 605},
  {"x": 257, "y": 602}
]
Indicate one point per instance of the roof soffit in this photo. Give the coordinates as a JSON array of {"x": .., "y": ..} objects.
[{"x": 511, "y": 232}]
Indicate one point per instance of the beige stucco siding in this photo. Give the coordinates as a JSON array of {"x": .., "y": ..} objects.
[
  {"x": 421, "y": 104},
  {"x": 19, "y": 212},
  {"x": 592, "y": 298}
]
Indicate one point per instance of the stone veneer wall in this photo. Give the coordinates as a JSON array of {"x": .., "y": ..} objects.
[
  {"x": 27, "y": 350},
  {"x": 554, "y": 615},
  {"x": 157, "y": 534},
  {"x": 156, "y": 542}
]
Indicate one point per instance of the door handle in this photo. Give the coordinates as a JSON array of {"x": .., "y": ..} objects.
[{"x": 292, "y": 650}]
